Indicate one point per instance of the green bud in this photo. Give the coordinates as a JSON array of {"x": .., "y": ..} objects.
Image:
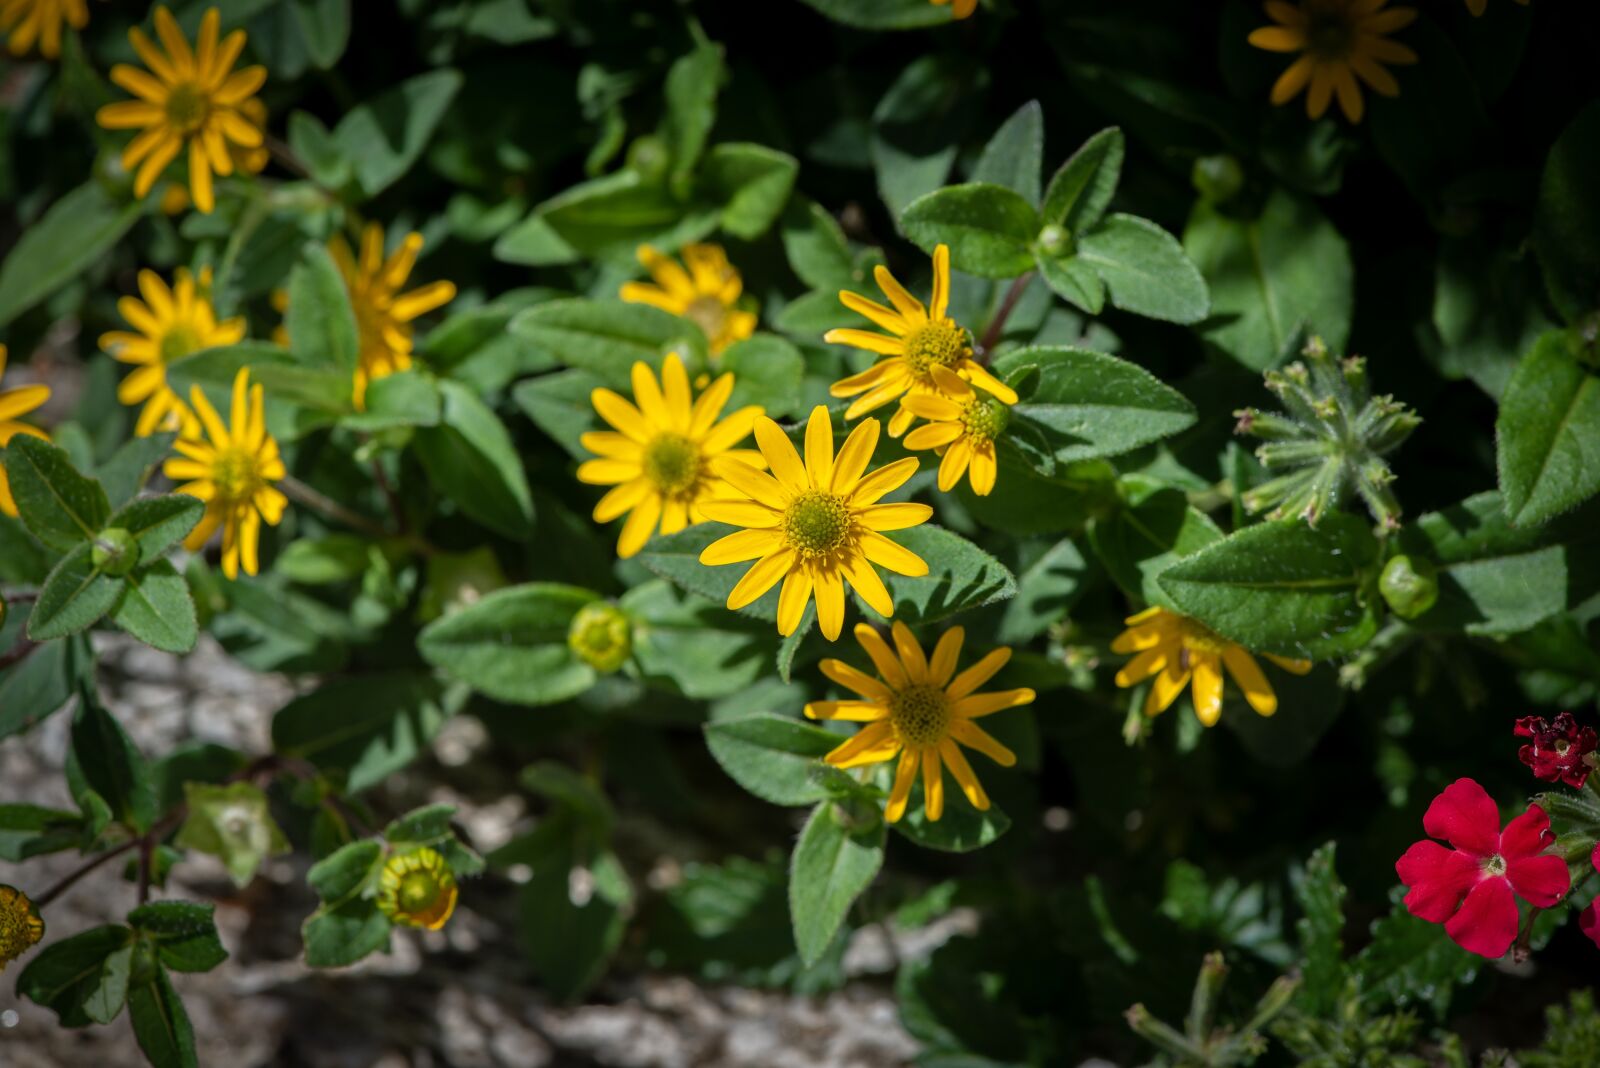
[
  {"x": 1056, "y": 240},
  {"x": 115, "y": 552},
  {"x": 1410, "y": 586},
  {"x": 1217, "y": 178},
  {"x": 601, "y": 636},
  {"x": 649, "y": 158}
]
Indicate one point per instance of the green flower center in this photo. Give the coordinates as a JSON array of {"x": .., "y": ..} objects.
[
  {"x": 178, "y": 342},
  {"x": 187, "y": 107},
  {"x": 418, "y": 891},
  {"x": 937, "y": 342},
  {"x": 708, "y": 313},
  {"x": 600, "y": 636},
  {"x": 920, "y": 715},
  {"x": 1329, "y": 35},
  {"x": 985, "y": 418},
  {"x": 235, "y": 474},
  {"x": 817, "y": 523},
  {"x": 672, "y": 462},
  {"x": 1495, "y": 865}
]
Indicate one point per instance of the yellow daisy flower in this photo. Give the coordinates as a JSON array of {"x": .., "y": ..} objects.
[
  {"x": 666, "y": 454},
  {"x": 815, "y": 524},
  {"x": 383, "y": 313},
  {"x": 233, "y": 473},
  {"x": 188, "y": 97},
  {"x": 1477, "y": 7},
  {"x": 707, "y": 293},
  {"x": 170, "y": 324},
  {"x": 962, "y": 426},
  {"x": 1341, "y": 40},
  {"x": 246, "y": 160},
  {"x": 959, "y": 8},
  {"x": 922, "y": 339},
  {"x": 20, "y": 925},
  {"x": 14, "y": 403},
  {"x": 39, "y": 21},
  {"x": 1176, "y": 649},
  {"x": 920, "y": 710},
  {"x": 417, "y": 889}
]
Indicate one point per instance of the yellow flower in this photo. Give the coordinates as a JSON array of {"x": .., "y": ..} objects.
[
  {"x": 707, "y": 293},
  {"x": 959, "y": 8},
  {"x": 1341, "y": 41},
  {"x": 1477, "y": 6},
  {"x": 233, "y": 473},
  {"x": 916, "y": 710},
  {"x": 171, "y": 324},
  {"x": 417, "y": 889},
  {"x": 20, "y": 925},
  {"x": 667, "y": 453},
  {"x": 246, "y": 160},
  {"x": 188, "y": 97},
  {"x": 383, "y": 313},
  {"x": 923, "y": 338},
  {"x": 1176, "y": 649},
  {"x": 962, "y": 426},
  {"x": 31, "y": 21},
  {"x": 14, "y": 403},
  {"x": 815, "y": 524}
]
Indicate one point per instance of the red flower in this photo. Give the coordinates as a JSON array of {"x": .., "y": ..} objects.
[
  {"x": 1473, "y": 888},
  {"x": 1589, "y": 922},
  {"x": 1558, "y": 749}
]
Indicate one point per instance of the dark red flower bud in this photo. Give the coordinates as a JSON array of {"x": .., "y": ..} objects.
[{"x": 1558, "y": 749}]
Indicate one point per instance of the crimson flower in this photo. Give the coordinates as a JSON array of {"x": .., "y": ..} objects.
[
  {"x": 1589, "y": 922},
  {"x": 1558, "y": 749},
  {"x": 1473, "y": 888}
]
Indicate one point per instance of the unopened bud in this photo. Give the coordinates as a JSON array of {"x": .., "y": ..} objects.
[
  {"x": 1409, "y": 585},
  {"x": 115, "y": 552},
  {"x": 601, "y": 636}
]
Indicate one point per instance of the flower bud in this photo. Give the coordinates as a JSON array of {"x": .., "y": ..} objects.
[
  {"x": 1055, "y": 241},
  {"x": 1217, "y": 178},
  {"x": 417, "y": 889},
  {"x": 20, "y": 925},
  {"x": 115, "y": 552},
  {"x": 1410, "y": 586},
  {"x": 601, "y": 636}
]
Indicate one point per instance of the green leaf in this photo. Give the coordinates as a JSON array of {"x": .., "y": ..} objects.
[
  {"x": 184, "y": 933},
  {"x": 570, "y": 939},
  {"x": 772, "y": 756},
  {"x": 431, "y": 826},
  {"x": 1046, "y": 591},
  {"x": 833, "y": 862},
  {"x": 768, "y": 371},
  {"x": 1088, "y": 405},
  {"x": 87, "y": 969},
  {"x": 369, "y": 727},
  {"x": 313, "y": 144},
  {"x": 1548, "y": 432},
  {"x": 385, "y": 136},
  {"x": 1566, "y": 223},
  {"x": 1014, "y": 156},
  {"x": 989, "y": 228},
  {"x": 277, "y": 372},
  {"x": 1273, "y": 279},
  {"x": 107, "y": 762},
  {"x": 158, "y": 523},
  {"x": 232, "y": 822},
  {"x": 1073, "y": 280},
  {"x": 918, "y": 124},
  {"x": 156, "y": 608},
  {"x": 690, "y": 94},
  {"x": 1411, "y": 961},
  {"x": 31, "y": 831},
  {"x": 38, "y": 686},
  {"x": 607, "y": 218},
  {"x": 76, "y": 233},
  {"x": 1137, "y": 543},
  {"x": 130, "y": 467},
  {"x": 512, "y": 644},
  {"x": 59, "y": 506},
  {"x": 959, "y": 829},
  {"x": 404, "y": 399},
  {"x": 1321, "y": 896},
  {"x": 341, "y": 936},
  {"x": 470, "y": 457},
  {"x": 960, "y": 576},
  {"x": 160, "y": 1023},
  {"x": 607, "y": 337},
  {"x": 692, "y": 645},
  {"x": 75, "y": 597},
  {"x": 319, "y": 320},
  {"x": 324, "y": 561},
  {"x": 752, "y": 184},
  {"x": 346, "y": 872},
  {"x": 1283, "y": 587},
  {"x": 1082, "y": 189},
  {"x": 325, "y": 26},
  {"x": 1145, "y": 269},
  {"x": 882, "y": 14},
  {"x": 559, "y": 405},
  {"x": 817, "y": 249}
]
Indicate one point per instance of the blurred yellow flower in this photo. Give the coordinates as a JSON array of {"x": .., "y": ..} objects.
[
  {"x": 920, "y": 710},
  {"x": 919, "y": 340},
  {"x": 383, "y": 313},
  {"x": 706, "y": 293},
  {"x": 667, "y": 453},
  {"x": 1340, "y": 41},
  {"x": 232, "y": 471},
  {"x": 1176, "y": 649},
  {"x": 815, "y": 524},
  {"x": 959, "y": 8},
  {"x": 170, "y": 324},
  {"x": 417, "y": 889},
  {"x": 20, "y": 925},
  {"x": 962, "y": 425},
  {"x": 14, "y": 403},
  {"x": 246, "y": 159},
  {"x": 190, "y": 98},
  {"x": 31, "y": 22}
]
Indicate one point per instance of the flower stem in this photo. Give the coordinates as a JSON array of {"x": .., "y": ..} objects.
[
  {"x": 66, "y": 881},
  {"x": 321, "y": 502},
  {"x": 991, "y": 336}
]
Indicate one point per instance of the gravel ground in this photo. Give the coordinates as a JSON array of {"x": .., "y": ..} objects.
[{"x": 455, "y": 999}]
